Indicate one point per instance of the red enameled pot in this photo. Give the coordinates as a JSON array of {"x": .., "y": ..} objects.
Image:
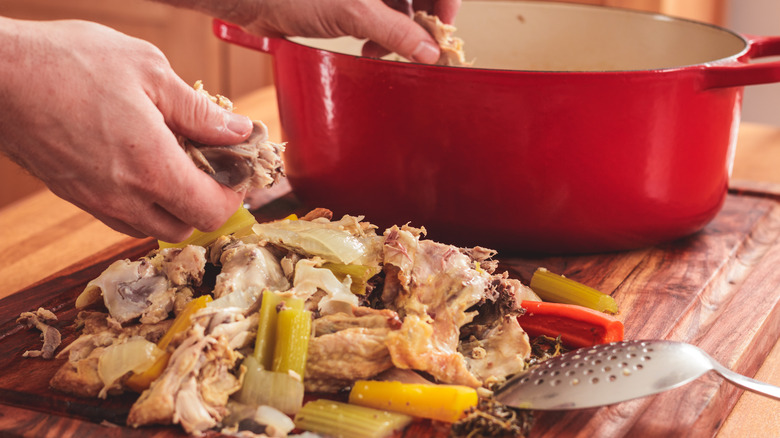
[{"x": 580, "y": 128}]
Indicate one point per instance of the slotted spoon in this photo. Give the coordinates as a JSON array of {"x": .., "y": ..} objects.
[{"x": 616, "y": 372}]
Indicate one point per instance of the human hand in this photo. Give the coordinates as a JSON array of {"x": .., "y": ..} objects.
[
  {"x": 91, "y": 112},
  {"x": 386, "y": 24}
]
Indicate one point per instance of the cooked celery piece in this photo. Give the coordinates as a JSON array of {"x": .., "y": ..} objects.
[
  {"x": 360, "y": 274},
  {"x": 345, "y": 420},
  {"x": 239, "y": 224},
  {"x": 139, "y": 381},
  {"x": 266, "y": 329},
  {"x": 438, "y": 402},
  {"x": 559, "y": 289},
  {"x": 293, "y": 328},
  {"x": 282, "y": 391},
  {"x": 293, "y": 303}
]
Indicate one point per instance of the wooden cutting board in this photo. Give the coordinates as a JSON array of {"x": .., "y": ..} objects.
[{"x": 717, "y": 289}]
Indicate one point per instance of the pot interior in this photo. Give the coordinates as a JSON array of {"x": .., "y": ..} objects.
[{"x": 550, "y": 36}]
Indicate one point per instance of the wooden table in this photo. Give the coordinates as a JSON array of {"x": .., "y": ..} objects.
[{"x": 41, "y": 235}]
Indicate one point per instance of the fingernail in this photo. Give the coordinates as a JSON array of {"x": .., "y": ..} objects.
[
  {"x": 426, "y": 52},
  {"x": 238, "y": 124}
]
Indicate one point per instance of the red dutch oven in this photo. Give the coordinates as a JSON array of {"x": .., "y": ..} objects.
[{"x": 580, "y": 128}]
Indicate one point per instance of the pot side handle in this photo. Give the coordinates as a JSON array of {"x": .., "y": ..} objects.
[
  {"x": 745, "y": 73},
  {"x": 234, "y": 34}
]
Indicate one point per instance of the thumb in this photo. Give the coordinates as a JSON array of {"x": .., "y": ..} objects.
[
  {"x": 191, "y": 114},
  {"x": 396, "y": 32}
]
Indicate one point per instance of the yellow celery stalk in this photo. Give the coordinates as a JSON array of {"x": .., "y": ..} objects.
[
  {"x": 438, "y": 402},
  {"x": 281, "y": 346},
  {"x": 266, "y": 329},
  {"x": 559, "y": 289},
  {"x": 292, "y": 340},
  {"x": 240, "y": 224},
  {"x": 140, "y": 381}
]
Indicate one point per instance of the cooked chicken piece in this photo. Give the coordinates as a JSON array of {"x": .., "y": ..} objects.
[
  {"x": 255, "y": 163},
  {"x": 194, "y": 388},
  {"x": 80, "y": 378},
  {"x": 41, "y": 319},
  {"x": 346, "y": 348},
  {"x": 184, "y": 266},
  {"x": 364, "y": 317},
  {"x": 451, "y": 46},
  {"x": 499, "y": 352},
  {"x": 433, "y": 288},
  {"x": 128, "y": 289},
  {"x": 147, "y": 287},
  {"x": 79, "y": 374},
  {"x": 246, "y": 267},
  {"x": 317, "y": 213},
  {"x": 436, "y": 289}
]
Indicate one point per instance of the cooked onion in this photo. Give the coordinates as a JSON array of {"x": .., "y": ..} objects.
[
  {"x": 282, "y": 391},
  {"x": 135, "y": 355},
  {"x": 322, "y": 239}
]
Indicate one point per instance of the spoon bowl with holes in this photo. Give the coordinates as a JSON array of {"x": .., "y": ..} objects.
[{"x": 616, "y": 372}]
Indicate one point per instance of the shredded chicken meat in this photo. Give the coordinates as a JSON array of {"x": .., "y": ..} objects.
[
  {"x": 255, "y": 163},
  {"x": 423, "y": 308},
  {"x": 451, "y": 47},
  {"x": 194, "y": 388},
  {"x": 41, "y": 319}
]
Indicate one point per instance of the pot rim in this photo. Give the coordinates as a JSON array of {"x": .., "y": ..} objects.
[{"x": 746, "y": 44}]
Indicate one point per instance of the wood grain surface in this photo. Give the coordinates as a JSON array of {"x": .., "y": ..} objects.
[{"x": 716, "y": 289}]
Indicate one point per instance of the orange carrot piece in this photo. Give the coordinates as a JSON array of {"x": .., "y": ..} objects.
[{"x": 577, "y": 326}]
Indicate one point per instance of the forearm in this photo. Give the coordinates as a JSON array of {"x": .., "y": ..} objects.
[
  {"x": 234, "y": 11},
  {"x": 15, "y": 74}
]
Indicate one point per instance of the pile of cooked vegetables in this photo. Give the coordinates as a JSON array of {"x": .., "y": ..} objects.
[{"x": 270, "y": 395}]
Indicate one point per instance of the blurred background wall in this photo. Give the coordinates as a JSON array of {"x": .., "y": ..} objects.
[{"x": 757, "y": 17}]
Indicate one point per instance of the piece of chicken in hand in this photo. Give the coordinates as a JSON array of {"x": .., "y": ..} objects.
[
  {"x": 451, "y": 47},
  {"x": 254, "y": 163}
]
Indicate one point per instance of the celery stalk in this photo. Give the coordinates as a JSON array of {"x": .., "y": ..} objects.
[
  {"x": 338, "y": 419},
  {"x": 266, "y": 329},
  {"x": 559, "y": 289},
  {"x": 239, "y": 224},
  {"x": 292, "y": 340}
]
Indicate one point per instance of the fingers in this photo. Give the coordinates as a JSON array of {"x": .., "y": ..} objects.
[
  {"x": 402, "y": 6},
  {"x": 391, "y": 31},
  {"x": 183, "y": 195},
  {"x": 446, "y": 10},
  {"x": 160, "y": 192},
  {"x": 192, "y": 114},
  {"x": 373, "y": 50},
  {"x": 189, "y": 195},
  {"x": 395, "y": 32}
]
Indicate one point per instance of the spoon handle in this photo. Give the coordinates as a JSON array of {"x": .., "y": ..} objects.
[{"x": 745, "y": 382}]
